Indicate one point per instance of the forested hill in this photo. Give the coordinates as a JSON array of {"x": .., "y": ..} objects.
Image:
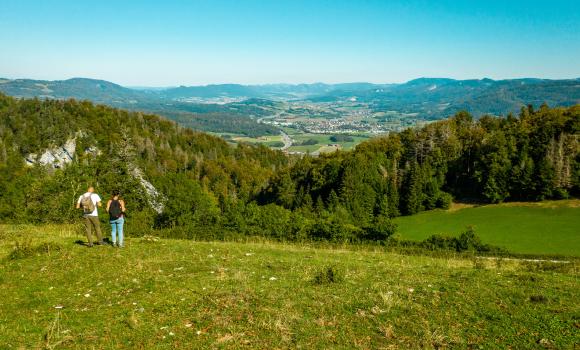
[
  {"x": 532, "y": 157},
  {"x": 197, "y": 185},
  {"x": 50, "y": 150}
]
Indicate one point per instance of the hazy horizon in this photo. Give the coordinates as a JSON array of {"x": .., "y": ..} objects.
[
  {"x": 151, "y": 44},
  {"x": 275, "y": 83}
]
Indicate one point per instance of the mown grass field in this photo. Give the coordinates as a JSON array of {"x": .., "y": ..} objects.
[
  {"x": 174, "y": 294},
  {"x": 550, "y": 227},
  {"x": 323, "y": 142}
]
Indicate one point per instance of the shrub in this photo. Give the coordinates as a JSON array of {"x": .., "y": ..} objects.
[
  {"x": 444, "y": 200},
  {"x": 22, "y": 249},
  {"x": 328, "y": 275}
]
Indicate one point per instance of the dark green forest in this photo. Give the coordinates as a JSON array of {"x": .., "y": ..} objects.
[{"x": 210, "y": 189}]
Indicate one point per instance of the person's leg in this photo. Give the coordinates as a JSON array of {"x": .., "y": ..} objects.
[
  {"x": 113, "y": 231},
  {"x": 88, "y": 227},
  {"x": 120, "y": 222},
  {"x": 97, "y": 225}
]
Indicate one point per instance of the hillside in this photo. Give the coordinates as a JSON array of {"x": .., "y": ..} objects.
[
  {"x": 193, "y": 185},
  {"x": 55, "y": 149},
  {"x": 439, "y": 98},
  {"x": 168, "y": 294}
]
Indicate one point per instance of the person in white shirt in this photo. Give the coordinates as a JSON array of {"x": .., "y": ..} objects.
[{"x": 90, "y": 202}]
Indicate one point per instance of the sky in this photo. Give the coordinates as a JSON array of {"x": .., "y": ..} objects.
[{"x": 197, "y": 42}]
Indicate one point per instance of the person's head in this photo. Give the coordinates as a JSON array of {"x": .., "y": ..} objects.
[
  {"x": 91, "y": 189},
  {"x": 116, "y": 193}
]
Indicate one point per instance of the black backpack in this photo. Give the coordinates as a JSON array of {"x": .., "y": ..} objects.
[{"x": 115, "y": 210}]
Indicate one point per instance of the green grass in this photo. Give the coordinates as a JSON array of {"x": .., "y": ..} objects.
[
  {"x": 551, "y": 227},
  {"x": 323, "y": 141},
  {"x": 170, "y": 294}
]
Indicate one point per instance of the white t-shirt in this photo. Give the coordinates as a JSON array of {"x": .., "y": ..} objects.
[{"x": 95, "y": 198}]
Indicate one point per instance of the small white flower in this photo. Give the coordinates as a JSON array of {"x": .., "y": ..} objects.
[
  {"x": 429, "y": 286},
  {"x": 188, "y": 325},
  {"x": 178, "y": 268},
  {"x": 198, "y": 332},
  {"x": 87, "y": 295},
  {"x": 212, "y": 272},
  {"x": 58, "y": 307},
  {"x": 210, "y": 256},
  {"x": 164, "y": 327},
  {"x": 171, "y": 334},
  {"x": 50, "y": 288},
  {"x": 273, "y": 278},
  {"x": 411, "y": 290},
  {"x": 134, "y": 303},
  {"x": 249, "y": 254}
]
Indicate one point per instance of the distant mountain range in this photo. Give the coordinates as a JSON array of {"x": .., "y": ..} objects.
[{"x": 432, "y": 98}]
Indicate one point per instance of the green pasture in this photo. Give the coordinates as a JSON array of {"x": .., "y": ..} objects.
[{"x": 551, "y": 227}]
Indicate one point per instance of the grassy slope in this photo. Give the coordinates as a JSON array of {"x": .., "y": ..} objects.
[
  {"x": 551, "y": 227},
  {"x": 184, "y": 294}
]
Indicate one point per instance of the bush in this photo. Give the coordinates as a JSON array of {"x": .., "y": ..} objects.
[
  {"x": 328, "y": 275},
  {"x": 24, "y": 249},
  {"x": 444, "y": 200}
]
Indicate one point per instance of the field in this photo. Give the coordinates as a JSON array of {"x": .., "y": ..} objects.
[
  {"x": 551, "y": 227},
  {"x": 173, "y": 294},
  {"x": 323, "y": 142}
]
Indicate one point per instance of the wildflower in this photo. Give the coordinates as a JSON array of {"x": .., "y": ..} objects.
[
  {"x": 87, "y": 295},
  {"x": 273, "y": 278},
  {"x": 171, "y": 334},
  {"x": 198, "y": 332},
  {"x": 249, "y": 254},
  {"x": 58, "y": 307},
  {"x": 411, "y": 290},
  {"x": 188, "y": 325}
]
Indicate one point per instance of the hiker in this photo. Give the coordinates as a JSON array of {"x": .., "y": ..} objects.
[
  {"x": 89, "y": 203},
  {"x": 116, "y": 210}
]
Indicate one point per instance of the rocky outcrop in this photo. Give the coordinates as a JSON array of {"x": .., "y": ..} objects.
[
  {"x": 56, "y": 157},
  {"x": 154, "y": 198}
]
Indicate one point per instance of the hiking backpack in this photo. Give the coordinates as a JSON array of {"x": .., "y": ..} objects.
[
  {"x": 115, "y": 210},
  {"x": 87, "y": 203}
]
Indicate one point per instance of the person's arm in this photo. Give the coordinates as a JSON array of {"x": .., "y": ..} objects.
[
  {"x": 108, "y": 205},
  {"x": 78, "y": 206},
  {"x": 122, "y": 205},
  {"x": 99, "y": 203}
]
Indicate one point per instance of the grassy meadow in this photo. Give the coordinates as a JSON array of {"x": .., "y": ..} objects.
[
  {"x": 549, "y": 227},
  {"x": 175, "y": 294}
]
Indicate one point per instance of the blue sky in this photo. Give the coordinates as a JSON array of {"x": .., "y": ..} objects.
[{"x": 170, "y": 42}]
